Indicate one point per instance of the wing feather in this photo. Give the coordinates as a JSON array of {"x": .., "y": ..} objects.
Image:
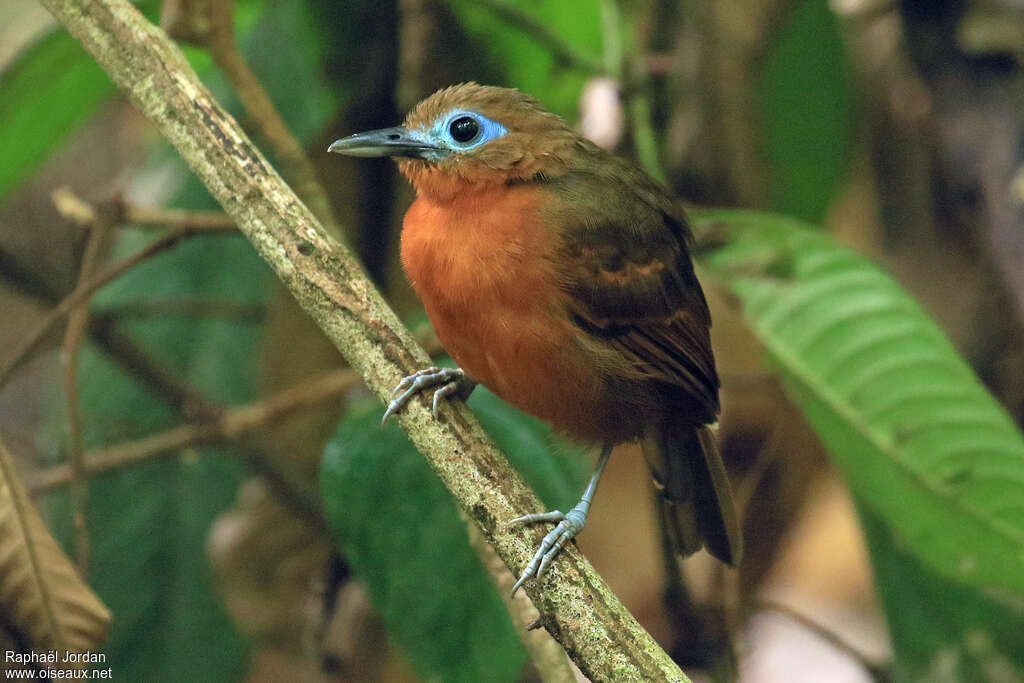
[{"x": 630, "y": 282}]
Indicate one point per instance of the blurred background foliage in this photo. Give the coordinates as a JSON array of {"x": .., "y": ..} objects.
[{"x": 894, "y": 129}]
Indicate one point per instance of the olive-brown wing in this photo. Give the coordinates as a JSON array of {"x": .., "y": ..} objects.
[{"x": 634, "y": 287}]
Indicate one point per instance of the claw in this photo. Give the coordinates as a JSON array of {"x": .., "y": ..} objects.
[
  {"x": 453, "y": 381},
  {"x": 553, "y": 516},
  {"x": 446, "y": 390},
  {"x": 569, "y": 525},
  {"x": 409, "y": 380}
]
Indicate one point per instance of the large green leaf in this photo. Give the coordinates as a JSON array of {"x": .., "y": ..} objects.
[
  {"x": 401, "y": 532},
  {"x": 918, "y": 438},
  {"x": 149, "y": 522}
]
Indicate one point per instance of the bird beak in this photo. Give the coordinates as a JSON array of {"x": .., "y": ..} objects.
[{"x": 387, "y": 142}]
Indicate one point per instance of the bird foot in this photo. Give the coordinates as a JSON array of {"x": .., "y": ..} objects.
[
  {"x": 452, "y": 381},
  {"x": 568, "y": 526}
]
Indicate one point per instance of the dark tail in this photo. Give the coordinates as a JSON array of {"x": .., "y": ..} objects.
[{"x": 694, "y": 490}]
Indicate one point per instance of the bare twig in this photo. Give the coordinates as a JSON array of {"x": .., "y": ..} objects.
[
  {"x": 563, "y": 52},
  {"x": 83, "y": 292},
  {"x": 633, "y": 77},
  {"x": 881, "y": 672},
  {"x": 231, "y": 425},
  {"x": 153, "y": 217},
  {"x": 576, "y": 606},
  {"x": 74, "y": 334},
  {"x": 120, "y": 212},
  {"x": 210, "y": 24},
  {"x": 287, "y": 484},
  {"x": 167, "y": 386}
]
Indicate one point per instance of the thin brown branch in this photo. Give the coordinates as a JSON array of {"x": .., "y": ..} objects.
[
  {"x": 74, "y": 335},
  {"x": 195, "y": 407},
  {"x": 211, "y": 25},
  {"x": 272, "y": 128},
  {"x": 120, "y": 212},
  {"x": 230, "y": 426},
  {"x": 880, "y": 672},
  {"x": 576, "y": 606},
  {"x": 166, "y": 385},
  {"x": 563, "y": 52},
  {"x": 155, "y": 217},
  {"x": 83, "y": 292},
  {"x": 287, "y": 485}
]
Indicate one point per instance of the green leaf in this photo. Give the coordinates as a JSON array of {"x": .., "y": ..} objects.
[
  {"x": 918, "y": 438},
  {"x": 45, "y": 95},
  {"x": 940, "y": 629},
  {"x": 524, "y": 63},
  {"x": 401, "y": 532},
  {"x": 805, "y": 101}
]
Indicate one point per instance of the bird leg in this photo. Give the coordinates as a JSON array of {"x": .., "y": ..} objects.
[
  {"x": 452, "y": 381},
  {"x": 569, "y": 524}
]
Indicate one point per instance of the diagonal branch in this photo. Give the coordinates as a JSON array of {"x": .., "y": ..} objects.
[{"x": 576, "y": 606}]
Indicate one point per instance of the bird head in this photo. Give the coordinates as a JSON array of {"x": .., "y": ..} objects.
[{"x": 471, "y": 135}]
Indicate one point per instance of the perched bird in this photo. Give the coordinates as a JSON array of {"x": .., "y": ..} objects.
[{"x": 558, "y": 275}]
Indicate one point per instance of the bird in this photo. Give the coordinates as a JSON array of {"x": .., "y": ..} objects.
[{"x": 559, "y": 276}]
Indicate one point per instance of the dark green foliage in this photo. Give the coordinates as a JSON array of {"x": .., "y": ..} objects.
[
  {"x": 148, "y": 526},
  {"x": 45, "y": 95},
  {"x": 805, "y": 99},
  {"x": 526, "y": 64},
  {"x": 149, "y": 523},
  {"x": 401, "y": 532},
  {"x": 941, "y": 629}
]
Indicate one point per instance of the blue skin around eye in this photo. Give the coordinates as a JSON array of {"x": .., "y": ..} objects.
[{"x": 439, "y": 134}]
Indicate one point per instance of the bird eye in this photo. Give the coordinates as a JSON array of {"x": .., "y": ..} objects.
[{"x": 464, "y": 129}]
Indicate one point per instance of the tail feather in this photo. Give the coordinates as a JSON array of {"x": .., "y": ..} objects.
[{"x": 692, "y": 484}]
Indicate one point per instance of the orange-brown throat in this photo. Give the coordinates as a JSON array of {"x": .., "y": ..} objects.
[{"x": 442, "y": 186}]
